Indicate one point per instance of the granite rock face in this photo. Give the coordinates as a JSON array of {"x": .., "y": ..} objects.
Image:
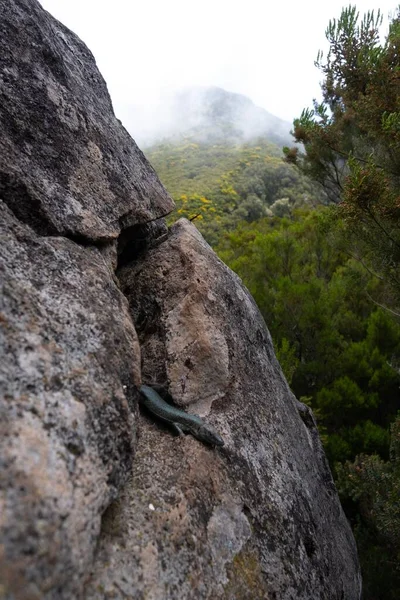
[
  {"x": 258, "y": 518},
  {"x": 70, "y": 362},
  {"x": 71, "y": 180},
  {"x": 97, "y": 502},
  {"x": 67, "y": 165}
]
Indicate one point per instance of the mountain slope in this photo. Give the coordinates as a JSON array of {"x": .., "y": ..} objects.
[
  {"x": 207, "y": 114},
  {"x": 214, "y": 115},
  {"x": 222, "y": 164},
  {"x": 222, "y": 184}
]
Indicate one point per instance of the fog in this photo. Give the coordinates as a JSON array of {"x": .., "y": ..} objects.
[
  {"x": 146, "y": 51},
  {"x": 206, "y": 114}
]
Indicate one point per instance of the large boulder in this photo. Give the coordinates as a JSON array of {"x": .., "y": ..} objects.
[
  {"x": 70, "y": 362},
  {"x": 259, "y": 518},
  {"x": 71, "y": 180}
]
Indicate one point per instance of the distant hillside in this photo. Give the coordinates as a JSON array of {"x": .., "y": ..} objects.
[
  {"x": 213, "y": 114},
  {"x": 206, "y": 114},
  {"x": 222, "y": 162},
  {"x": 221, "y": 184}
]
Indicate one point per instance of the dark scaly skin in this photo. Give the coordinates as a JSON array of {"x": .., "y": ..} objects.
[{"x": 181, "y": 420}]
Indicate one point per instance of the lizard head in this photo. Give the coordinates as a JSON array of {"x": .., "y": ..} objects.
[{"x": 208, "y": 434}]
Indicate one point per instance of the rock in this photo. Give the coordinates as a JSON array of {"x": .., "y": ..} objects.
[
  {"x": 67, "y": 165},
  {"x": 70, "y": 362},
  {"x": 259, "y": 518},
  {"x": 87, "y": 509}
]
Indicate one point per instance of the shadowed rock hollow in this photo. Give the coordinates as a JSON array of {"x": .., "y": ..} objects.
[{"x": 97, "y": 501}]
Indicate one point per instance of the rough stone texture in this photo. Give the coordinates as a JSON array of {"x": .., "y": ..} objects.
[
  {"x": 67, "y": 165},
  {"x": 69, "y": 354},
  {"x": 69, "y": 363},
  {"x": 257, "y": 519}
]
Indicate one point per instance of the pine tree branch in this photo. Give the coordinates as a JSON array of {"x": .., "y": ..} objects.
[
  {"x": 382, "y": 306},
  {"x": 360, "y": 260}
]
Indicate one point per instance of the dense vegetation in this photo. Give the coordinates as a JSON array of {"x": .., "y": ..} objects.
[
  {"x": 337, "y": 349},
  {"x": 340, "y": 354},
  {"x": 352, "y": 138},
  {"x": 221, "y": 184},
  {"x": 323, "y": 265},
  {"x": 352, "y": 147}
]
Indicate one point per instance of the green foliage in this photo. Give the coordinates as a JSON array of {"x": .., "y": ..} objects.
[
  {"x": 352, "y": 148},
  {"x": 339, "y": 352},
  {"x": 221, "y": 185},
  {"x": 352, "y": 138},
  {"x": 335, "y": 347},
  {"x": 371, "y": 489},
  {"x": 286, "y": 355}
]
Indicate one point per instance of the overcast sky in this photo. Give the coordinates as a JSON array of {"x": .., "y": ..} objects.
[{"x": 264, "y": 49}]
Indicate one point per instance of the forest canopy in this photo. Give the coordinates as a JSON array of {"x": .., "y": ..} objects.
[
  {"x": 220, "y": 184},
  {"x": 352, "y": 138}
]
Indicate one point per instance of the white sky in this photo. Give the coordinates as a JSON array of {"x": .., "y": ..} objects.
[{"x": 264, "y": 49}]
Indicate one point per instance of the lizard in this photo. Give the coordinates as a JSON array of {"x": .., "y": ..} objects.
[{"x": 181, "y": 421}]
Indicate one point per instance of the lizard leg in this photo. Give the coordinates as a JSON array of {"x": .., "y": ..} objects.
[
  {"x": 180, "y": 429},
  {"x": 177, "y": 428}
]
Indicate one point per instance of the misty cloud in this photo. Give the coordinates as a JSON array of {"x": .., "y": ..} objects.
[
  {"x": 205, "y": 114},
  {"x": 264, "y": 50}
]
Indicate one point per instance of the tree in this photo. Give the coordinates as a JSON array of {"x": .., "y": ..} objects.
[
  {"x": 337, "y": 349},
  {"x": 352, "y": 139},
  {"x": 370, "y": 489},
  {"x": 351, "y": 142}
]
